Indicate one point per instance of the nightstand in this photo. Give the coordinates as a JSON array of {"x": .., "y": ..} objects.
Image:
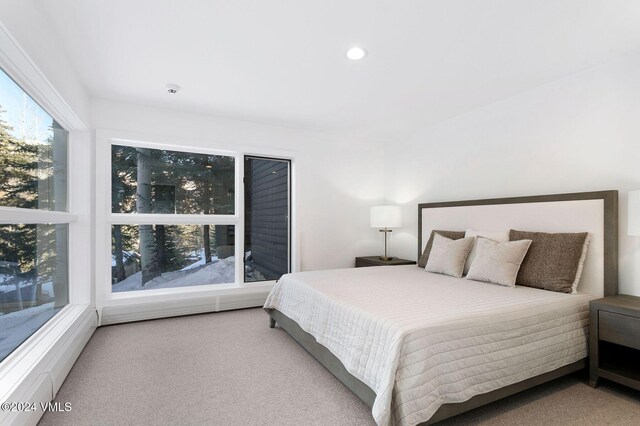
[
  {"x": 375, "y": 261},
  {"x": 614, "y": 340}
]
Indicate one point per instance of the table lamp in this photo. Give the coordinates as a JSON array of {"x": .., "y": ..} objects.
[{"x": 386, "y": 217}]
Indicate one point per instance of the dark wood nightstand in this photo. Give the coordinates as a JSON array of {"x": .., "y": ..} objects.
[
  {"x": 376, "y": 261},
  {"x": 614, "y": 340}
]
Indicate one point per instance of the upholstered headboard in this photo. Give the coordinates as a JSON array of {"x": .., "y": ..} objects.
[{"x": 593, "y": 212}]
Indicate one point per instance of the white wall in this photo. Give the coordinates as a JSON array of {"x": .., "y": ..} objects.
[
  {"x": 580, "y": 133},
  {"x": 43, "y": 46},
  {"x": 337, "y": 180}
]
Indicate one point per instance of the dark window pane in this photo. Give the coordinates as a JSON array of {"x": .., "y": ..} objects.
[
  {"x": 146, "y": 257},
  {"x": 170, "y": 182},
  {"x": 33, "y": 280},
  {"x": 266, "y": 218},
  {"x": 33, "y": 152}
]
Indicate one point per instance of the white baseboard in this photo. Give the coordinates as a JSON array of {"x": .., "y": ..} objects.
[
  {"x": 43, "y": 378},
  {"x": 63, "y": 361},
  {"x": 171, "y": 308}
]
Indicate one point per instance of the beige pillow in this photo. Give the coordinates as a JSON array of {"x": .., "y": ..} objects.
[
  {"x": 498, "y": 263},
  {"x": 555, "y": 260},
  {"x": 448, "y": 256},
  {"x": 499, "y": 236},
  {"x": 576, "y": 281},
  {"x": 454, "y": 235}
]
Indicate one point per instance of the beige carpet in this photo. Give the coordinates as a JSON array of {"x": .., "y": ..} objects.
[{"x": 229, "y": 368}]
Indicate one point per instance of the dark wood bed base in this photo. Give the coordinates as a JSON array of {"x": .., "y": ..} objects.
[
  {"x": 323, "y": 355},
  {"x": 366, "y": 394}
]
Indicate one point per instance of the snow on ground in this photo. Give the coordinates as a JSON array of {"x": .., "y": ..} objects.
[
  {"x": 47, "y": 287},
  {"x": 200, "y": 262},
  {"x": 126, "y": 255},
  {"x": 17, "y": 326},
  {"x": 218, "y": 272},
  {"x": 4, "y": 288}
]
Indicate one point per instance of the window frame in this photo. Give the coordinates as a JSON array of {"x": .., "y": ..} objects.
[
  {"x": 31, "y": 357},
  {"x": 35, "y": 216},
  {"x": 105, "y": 218}
]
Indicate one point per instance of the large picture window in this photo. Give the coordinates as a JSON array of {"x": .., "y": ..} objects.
[
  {"x": 33, "y": 250},
  {"x": 180, "y": 218},
  {"x": 163, "y": 187}
]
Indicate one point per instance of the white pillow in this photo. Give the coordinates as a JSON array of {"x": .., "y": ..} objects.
[
  {"x": 498, "y": 263},
  {"x": 499, "y": 236},
  {"x": 448, "y": 256}
]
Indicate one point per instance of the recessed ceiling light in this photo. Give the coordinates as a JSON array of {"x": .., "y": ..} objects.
[{"x": 356, "y": 53}]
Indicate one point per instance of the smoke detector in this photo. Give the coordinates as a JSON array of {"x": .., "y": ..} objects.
[{"x": 172, "y": 88}]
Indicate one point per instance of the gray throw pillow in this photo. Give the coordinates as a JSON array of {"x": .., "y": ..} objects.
[
  {"x": 454, "y": 235},
  {"x": 554, "y": 260},
  {"x": 448, "y": 256},
  {"x": 498, "y": 263}
]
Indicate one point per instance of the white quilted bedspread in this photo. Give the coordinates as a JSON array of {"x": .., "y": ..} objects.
[{"x": 420, "y": 340}]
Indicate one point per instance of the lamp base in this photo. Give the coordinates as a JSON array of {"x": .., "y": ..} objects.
[{"x": 385, "y": 257}]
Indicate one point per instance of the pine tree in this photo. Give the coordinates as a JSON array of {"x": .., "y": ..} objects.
[
  {"x": 19, "y": 168},
  {"x": 18, "y": 188},
  {"x": 148, "y": 244},
  {"x": 123, "y": 198}
]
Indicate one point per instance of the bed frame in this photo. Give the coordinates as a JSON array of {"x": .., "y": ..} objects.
[{"x": 610, "y": 286}]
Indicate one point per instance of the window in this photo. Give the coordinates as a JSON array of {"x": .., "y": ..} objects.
[
  {"x": 152, "y": 192},
  {"x": 171, "y": 182},
  {"x": 146, "y": 257},
  {"x": 173, "y": 215},
  {"x": 33, "y": 244}
]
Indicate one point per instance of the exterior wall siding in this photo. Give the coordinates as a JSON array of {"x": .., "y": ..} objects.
[{"x": 267, "y": 215}]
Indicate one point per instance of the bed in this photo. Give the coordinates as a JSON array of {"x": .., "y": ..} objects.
[{"x": 420, "y": 347}]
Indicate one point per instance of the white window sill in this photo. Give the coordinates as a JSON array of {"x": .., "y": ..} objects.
[
  {"x": 39, "y": 353},
  {"x": 152, "y": 304},
  {"x": 191, "y": 292}
]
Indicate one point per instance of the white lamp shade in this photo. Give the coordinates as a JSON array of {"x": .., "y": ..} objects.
[
  {"x": 634, "y": 213},
  {"x": 386, "y": 217}
]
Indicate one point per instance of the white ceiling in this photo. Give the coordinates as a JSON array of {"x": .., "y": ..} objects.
[{"x": 282, "y": 62}]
